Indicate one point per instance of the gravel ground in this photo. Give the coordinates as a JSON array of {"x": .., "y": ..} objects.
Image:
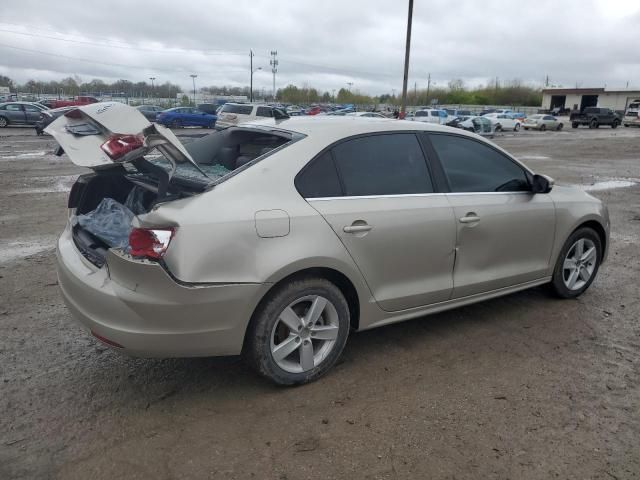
[{"x": 524, "y": 386}]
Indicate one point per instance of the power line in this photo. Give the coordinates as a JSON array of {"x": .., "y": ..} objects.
[
  {"x": 108, "y": 64},
  {"x": 127, "y": 47}
]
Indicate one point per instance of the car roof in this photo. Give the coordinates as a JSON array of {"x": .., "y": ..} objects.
[{"x": 335, "y": 127}]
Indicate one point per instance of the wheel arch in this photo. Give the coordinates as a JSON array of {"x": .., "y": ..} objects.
[
  {"x": 599, "y": 229},
  {"x": 338, "y": 278}
]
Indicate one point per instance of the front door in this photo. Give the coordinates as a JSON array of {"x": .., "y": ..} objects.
[
  {"x": 378, "y": 197},
  {"x": 504, "y": 232}
]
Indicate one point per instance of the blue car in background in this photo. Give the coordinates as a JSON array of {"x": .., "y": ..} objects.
[{"x": 186, "y": 117}]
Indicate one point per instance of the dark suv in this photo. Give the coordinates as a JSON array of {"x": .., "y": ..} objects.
[{"x": 594, "y": 117}]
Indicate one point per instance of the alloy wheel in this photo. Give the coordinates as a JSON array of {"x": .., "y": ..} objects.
[
  {"x": 3, "y": 122},
  {"x": 304, "y": 334},
  {"x": 579, "y": 264}
]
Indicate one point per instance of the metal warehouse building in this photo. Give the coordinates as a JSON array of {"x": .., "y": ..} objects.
[{"x": 579, "y": 98}]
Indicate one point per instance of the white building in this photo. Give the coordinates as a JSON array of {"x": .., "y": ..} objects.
[{"x": 579, "y": 98}]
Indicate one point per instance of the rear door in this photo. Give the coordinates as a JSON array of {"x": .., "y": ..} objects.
[
  {"x": 378, "y": 195},
  {"x": 504, "y": 232},
  {"x": 32, "y": 114}
]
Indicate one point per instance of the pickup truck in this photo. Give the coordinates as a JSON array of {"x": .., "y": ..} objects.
[
  {"x": 594, "y": 117},
  {"x": 76, "y": 102}
]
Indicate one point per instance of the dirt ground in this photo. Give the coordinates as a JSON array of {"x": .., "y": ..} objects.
[{"x": 525, "y": 386}]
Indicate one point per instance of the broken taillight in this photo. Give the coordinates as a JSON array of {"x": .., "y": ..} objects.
[
  {"x": 117, "y": 146},
  {"x": 150, "y": 242}
]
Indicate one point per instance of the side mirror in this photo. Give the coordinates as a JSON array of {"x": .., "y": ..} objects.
[{"x": 541, "y": 184}]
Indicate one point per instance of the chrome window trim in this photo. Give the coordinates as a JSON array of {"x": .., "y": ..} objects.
[{"x": 368, "y": 197}]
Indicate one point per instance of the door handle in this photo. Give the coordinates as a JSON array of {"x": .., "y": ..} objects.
[
  {"x": 470, "y": 218},
  {"x": 357, "y": 228}
]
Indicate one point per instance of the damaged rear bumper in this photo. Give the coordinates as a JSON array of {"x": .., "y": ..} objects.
[{"x": 137, "y": 305}]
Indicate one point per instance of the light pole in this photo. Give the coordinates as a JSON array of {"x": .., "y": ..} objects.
[
  {"x": 194, "y": 76},
  {"x": 349, "y": 83},
  {"x": 274, "y": 69},
  {"x": 251, "y": 86},
  {"x": 152, "y": 80},
  {"x": 403, "y": 109}
]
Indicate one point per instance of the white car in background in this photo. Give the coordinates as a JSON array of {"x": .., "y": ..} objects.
[
  {"x": 504, "y": 121},
  {"x": 431, "y": 115},
  {"x": 232, "y": 114}
]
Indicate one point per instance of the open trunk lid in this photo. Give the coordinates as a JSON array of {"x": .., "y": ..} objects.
[{"x": 103, "y": 135}]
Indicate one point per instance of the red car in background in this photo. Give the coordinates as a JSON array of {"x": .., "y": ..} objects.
[
  {"x": 77, "y": 102},
  {"x": 314, "y": 110}
]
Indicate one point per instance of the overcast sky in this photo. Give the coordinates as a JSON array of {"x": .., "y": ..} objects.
[{"x": 324, "y": 44}]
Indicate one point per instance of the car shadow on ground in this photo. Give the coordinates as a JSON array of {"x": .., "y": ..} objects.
[{"x": 434, "y": 334}]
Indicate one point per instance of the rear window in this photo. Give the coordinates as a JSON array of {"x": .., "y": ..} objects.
[
  {"x": 422, "y": 114},
  {"x": 220, "y": 153},
  {"x": 238, "y": 109},
  {"x": 264, "y": 112}
]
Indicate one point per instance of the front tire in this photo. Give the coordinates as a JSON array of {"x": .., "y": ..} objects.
[
  {"x": 298, "y": 331},
  {"x": 543, "y": 127},
  {"x": 3, "y": 122},
  {"x": 559, "y": 127},
  {"x": 614, "y": 124},
  {"x": 577, "y": 264},
  {"x": 593, "y": 123},
  {"x": 517, "y": 127},
  {"x": 574, "y": 125}
]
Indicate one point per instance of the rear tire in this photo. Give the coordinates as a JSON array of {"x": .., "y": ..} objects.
[
  {"x": 543, "y": 127},
  {"x": 614, "y": 124},
  {"x": 278, "y": 336},
  {"x": 559, "y": 127},
  {"x": 593, "y": 123},
  {"x": 570, "y": 278},
  {"x": 517, "y": 127},
  {"x": 575, "y": 125},
  {"x": 176, "y": 124},
  {"x": 498, "y": 128},
  {"x": 4, "y": 122}
]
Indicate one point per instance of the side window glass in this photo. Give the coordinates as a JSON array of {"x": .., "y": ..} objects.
[
  {"x": 14, "y": 108},
  {"x": 471, "y": 166},
  {"x": 383, "y": 165},
  {"x": 319, "y": 179},
  {"x": 264, "y": 112}
]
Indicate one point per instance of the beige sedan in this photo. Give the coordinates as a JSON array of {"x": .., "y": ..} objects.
[
  {"x": 277, "y": 241},
  {"x": 542, "y": 123}
]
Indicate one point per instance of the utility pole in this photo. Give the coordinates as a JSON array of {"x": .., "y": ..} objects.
[
  {"x": 274, "y": 68},
  {"x": 403, "y": 109},
  {"x": 415, "y": 92},
  {"x": 251, "y": 79},
  {"x": 428, "y": 85},
  {"x": 194, "y": 76},
  {"x": 152, "y": 80},
  {"x": 349, "y": 83},
  {"x": 546, "y": 81}
]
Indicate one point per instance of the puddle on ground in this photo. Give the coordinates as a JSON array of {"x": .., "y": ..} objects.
[
  {"x": 16, "y": 155},
  {"x": 55, "y": 184},
  {"x": 607, "y": 185},
  {"x": 15, "y": 250}
]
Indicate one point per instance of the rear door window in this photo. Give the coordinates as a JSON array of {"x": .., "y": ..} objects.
[
  {"x": 264, "y": 112},
  {"x": 391, "y": 164},
  {"x": 471, "y": 166},
  {"x": 319, "y": 179},
  {"x": 237, "y": 109}
]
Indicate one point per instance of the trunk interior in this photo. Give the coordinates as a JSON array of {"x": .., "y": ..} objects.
[{"x": 118, "y": 184}]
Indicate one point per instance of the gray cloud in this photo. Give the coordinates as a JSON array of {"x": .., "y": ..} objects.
[{"x": 324, "y": 44}]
